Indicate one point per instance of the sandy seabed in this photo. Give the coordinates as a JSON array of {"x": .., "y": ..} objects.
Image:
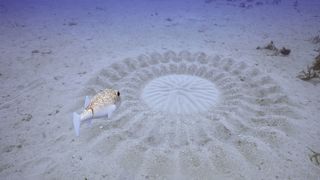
[{"x": 198, "y": 101}]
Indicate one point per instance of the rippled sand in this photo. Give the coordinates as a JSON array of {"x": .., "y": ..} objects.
[
  {"x": 203, "y": 138},
  {"x": 199, "y": 101}
]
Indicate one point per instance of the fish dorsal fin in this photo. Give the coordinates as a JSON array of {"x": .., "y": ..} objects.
[{"x": 86, "y": 101}]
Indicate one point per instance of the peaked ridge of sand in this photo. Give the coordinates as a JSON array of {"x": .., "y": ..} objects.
[
  {"x": 180, "y": 94},
  {"x": 250, "y": 127}
]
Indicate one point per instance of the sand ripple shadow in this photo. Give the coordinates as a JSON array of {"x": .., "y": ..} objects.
[{"x": 251, "y": 119}]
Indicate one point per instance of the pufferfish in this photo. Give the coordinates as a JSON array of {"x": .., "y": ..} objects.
[{"x": 102, "y": 104}]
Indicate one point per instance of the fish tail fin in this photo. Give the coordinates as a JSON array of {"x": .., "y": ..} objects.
[
  {"x": 86, "y": 101},
  {"x": 76, "y": 123}
]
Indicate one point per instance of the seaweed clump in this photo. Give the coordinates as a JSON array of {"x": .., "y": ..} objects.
[
  {"x": 312, "y": 71},
  {"x": 316, "y": 39},
  {"x": 316, "y": 64},
  {"x": 271, "y": 47}
]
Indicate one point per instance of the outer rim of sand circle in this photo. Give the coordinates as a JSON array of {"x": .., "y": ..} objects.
[
  {"x": 253, "y": 115},
  {"x": 244, "y": 90}
]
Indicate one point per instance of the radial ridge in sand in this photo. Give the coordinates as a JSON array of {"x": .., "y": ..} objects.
[
  {"x": 180, "y": 94},
  {"x": 190, "y": 116}
]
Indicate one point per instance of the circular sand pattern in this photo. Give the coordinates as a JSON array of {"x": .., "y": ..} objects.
[
  {"x": 240, "y": 120},
  {"x": 180, "y": 94}
]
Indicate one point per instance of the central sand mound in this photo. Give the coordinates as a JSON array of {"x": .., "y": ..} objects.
[{"x": 180, "y": 94}]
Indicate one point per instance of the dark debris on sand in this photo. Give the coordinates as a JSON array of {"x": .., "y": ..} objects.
[
  {"x": 311, "y": 72},
  {"x": 314, "y": 157},
  {"x": 27, "y": 117},
  {"x": 316, "y": 39},
  {"x": 271, "y": 47},
  {"x": 247, "y": 3}
]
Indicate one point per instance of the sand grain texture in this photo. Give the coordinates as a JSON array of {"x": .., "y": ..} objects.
[
  {"x": 244, "y": 114},
  {"x": 243, "y": 131}
]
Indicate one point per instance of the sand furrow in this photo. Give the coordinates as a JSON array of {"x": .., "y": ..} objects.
[{"x": 194, "y": 115}]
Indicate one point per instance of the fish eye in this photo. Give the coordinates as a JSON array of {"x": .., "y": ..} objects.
[{"x": 118, "y": 93}]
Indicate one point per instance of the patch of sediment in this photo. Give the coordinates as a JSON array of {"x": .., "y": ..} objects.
[{"x": 193, "y": 116}]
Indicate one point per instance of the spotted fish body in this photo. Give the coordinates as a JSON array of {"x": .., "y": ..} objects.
[{"x": 102, "y": 104}]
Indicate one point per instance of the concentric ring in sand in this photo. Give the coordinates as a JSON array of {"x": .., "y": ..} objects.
[{"x": 241, "y": 131}]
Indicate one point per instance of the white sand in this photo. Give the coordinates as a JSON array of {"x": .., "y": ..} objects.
[
  {"x": 261, "y": 126},
  {"x": 180, "y": 94}
]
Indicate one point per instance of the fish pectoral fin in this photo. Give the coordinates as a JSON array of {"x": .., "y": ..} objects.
[
  {"x": 76, "y": 123},
  {"x": 110, "y": 109},
  {"x": 86, "y": 101}
]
